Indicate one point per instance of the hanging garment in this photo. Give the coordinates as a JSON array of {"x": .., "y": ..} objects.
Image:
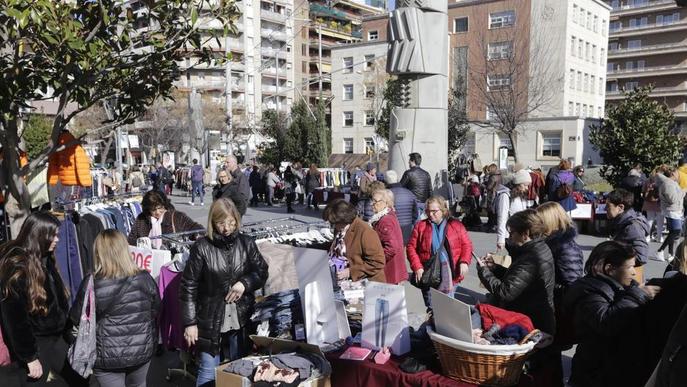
[
  {"x": 171, "y": 329},
  {"x": 67, "y": 256}
]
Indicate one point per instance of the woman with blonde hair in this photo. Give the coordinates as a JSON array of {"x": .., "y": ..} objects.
[
  {"x": 560, "y": 234},
  {"x": 227, "y": 187},
  {"x": 124, "y": 296},
  {"x": 426, "y": 240},
  {"x": 217, "y": 293},
  {"x": 385, "y": 223}
]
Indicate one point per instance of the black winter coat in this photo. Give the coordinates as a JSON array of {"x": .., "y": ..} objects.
[
  {"x": 672, "y": 370},
  {"x": 231, "y": 192},
  {"x": 527, "y": 285},
  {"x": 607, "y": 318},
  {"x": 20, "y": 328},
  {"x": 632, "y": 228},
  {"x": 419, "y": 182},
  {"x": 213, "y": 267},
  {"x": 126, "y": 314},
  {"x": 406, "y": 209},
  {"x": 567, "y": 256}
]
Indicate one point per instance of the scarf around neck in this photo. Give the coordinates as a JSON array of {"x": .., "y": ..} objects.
[{"x": 378, "y": 216}]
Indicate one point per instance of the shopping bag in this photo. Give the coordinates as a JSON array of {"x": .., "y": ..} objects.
[{"x": 82, "y": 352}]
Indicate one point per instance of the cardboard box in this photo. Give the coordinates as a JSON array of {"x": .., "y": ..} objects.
[{"x": 225, "y": 379}]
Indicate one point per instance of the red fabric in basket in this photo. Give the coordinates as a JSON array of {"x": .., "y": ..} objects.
[{"x": 493, "y": 315}]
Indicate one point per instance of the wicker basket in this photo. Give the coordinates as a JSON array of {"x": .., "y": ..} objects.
[{"x": 484, "y": 365}]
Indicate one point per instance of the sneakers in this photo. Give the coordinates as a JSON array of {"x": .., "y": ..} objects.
[
  {"x": 202, "y": 204},
  {"x": 670, "y": 258},
  {"x": 660, "y": 256},
  {"x": 191, "y": 204}
]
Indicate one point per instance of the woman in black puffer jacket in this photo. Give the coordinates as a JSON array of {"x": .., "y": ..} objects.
[
  {"x": 560, "y": 235},
  {"x": 527, "y": 285},
  {"x": 127, "y": 303},
  {"x": 606, "y": 307},
  {"x": 223, "y": 271}
]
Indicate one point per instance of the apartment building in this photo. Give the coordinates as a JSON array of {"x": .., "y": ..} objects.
[
  {"x": 321, "y": 26},
  {"x": 540, "y": 61},
  {"x": 648, "y": 46},
  {"x": 358, "y": 76}
]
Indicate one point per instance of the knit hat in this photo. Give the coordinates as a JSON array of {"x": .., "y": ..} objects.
[
  {"x": 522, "y": 177},
  {"x": 370, "y": 166}
]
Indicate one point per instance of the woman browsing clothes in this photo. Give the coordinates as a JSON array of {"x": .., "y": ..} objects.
[
  {"x": 223, "y": 272},
  {"x": 385, "y": 223},
  {"x": 34, "y": 305},
  {"x": 227, "y": 188},
  {"x": 159, "y": 217},
  {"x": 124, "y": 295}
]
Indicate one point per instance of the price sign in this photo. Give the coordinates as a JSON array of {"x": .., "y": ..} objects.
[{"x": 149, "y": 260}]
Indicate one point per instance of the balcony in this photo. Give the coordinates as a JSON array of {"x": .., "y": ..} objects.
[
  {"x": 651, "y": 6},
  {"x": 273, "y": 16},
  {"x": 272, "y": 52},
  {"x": 274, "y": 35},
  {"x": 272, "y": 72},
  {"x": 654, "y": 49},
  {"x": 671, "y": 91},
  {"x": 647, "y": 71},
  {"x": 272, "y": 89},
  {"x": 653, "y": 28}
]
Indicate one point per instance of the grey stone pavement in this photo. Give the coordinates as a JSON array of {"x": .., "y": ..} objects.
[{"x": 483, "y": 243}]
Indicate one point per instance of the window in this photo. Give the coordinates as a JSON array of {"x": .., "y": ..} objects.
[
  {"x": 492, "y": 114},
  {"x": 373, "y": 35},
  {"x": 629, "y": 65},
  {"x": 631, "y": 85},
  {"x": 592, "y": 87},
  {"x": 637, "y": 43},
  {"x": 460, "y": 24},
  {"x": 668, "y": 19},
  {"x": 595, "y": 26},
  {"x": 594, "y": 53},
  {"x": 640, "y": 64},
  {"x": 589, "y": 20},
  {"x": 603, "y": 27},
  {"x": 599, "y": 113},
  {"x": 501, "y": 19},
  {"x": 347, "y": 92},
  {"x": 602, "y": 56},
  {"x": 615, "y": 26},
  {"x": 347, "y": 119},
  {"x": 369, "y": 91},
  {"x": 498, "y": 82},
  {"x": 250, "y": 79},
  {"x": 573, "y": 41},
  {"x": 551, "y": 144},
  {"x": 613, "y": 46},
  {"x": 612, "y": 87},
  {"x": 601, "y": 86},
  {"x": 584, "y": 110},
  {"x": 615, "y": 4},
  {"x": 304, "y": 67},
  {"x": 586, "y": 83},
  {"x": 369, "y": 118},
  {"x": 304, "y": 50},
  {"x": 577, "y": 109},
  {"x": 580, "y": 48},
  {"x": 571, "y": 79},
  {"x": 571, "y": 108},
  {"x": 574, "y": 13},
  {"x": 583, "y": 15},
  {"x": 587, "y": 51},
  {"x": 610, "y": 67},
  {"x": 505, "y": 142},
  {"x": 369, "y": 62},
  {"x": 499, "y": 50},
  {"x": 369, "y": 145},
  {"x": 579, "y": 81},
  {"x": 348, "y": 65},
  {"x": 348, "y": 145}
]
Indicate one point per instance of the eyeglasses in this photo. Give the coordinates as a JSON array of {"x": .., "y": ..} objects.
[
  {"x": 433, "y": 211},
  {"x": 377, "y": 201}
]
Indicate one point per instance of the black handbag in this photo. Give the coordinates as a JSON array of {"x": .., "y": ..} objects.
[{"x": 431, "y": 277}]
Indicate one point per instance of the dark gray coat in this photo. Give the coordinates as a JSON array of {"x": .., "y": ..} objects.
[
  {"x": 126, "y": 314},
  {"x": 419, "y": 182},
  {"x": 632, "y": 228},
  {"x": 406, "y": 209}
]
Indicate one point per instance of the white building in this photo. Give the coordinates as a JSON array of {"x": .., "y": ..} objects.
[{"x": 358, "y": 72}]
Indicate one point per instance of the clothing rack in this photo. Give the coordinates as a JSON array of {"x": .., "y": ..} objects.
[
  {"x": 95, "y": 200},
  {"x": 267, "y": 228}
]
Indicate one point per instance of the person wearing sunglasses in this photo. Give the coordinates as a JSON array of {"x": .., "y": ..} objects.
[
  {"x": 578, "y": 184},
  {"x": 217, "y": 293}
]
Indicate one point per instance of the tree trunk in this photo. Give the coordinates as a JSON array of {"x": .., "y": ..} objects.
[
  {"x": 108, "y": 145},
  {"x": 17, "y": 197},
  {"x": 511, "y": 137}
]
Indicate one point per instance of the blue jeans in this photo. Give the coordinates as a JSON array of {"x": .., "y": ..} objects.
[
  {"x": 197, "y": 189},
  {"x": 232, "y": 347}
]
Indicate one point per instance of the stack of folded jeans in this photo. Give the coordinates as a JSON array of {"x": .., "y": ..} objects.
[{"x": 282, "y": 311}]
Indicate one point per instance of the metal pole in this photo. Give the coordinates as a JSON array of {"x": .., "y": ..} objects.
[
  {"x": 319, "y": 57},
  {"x": 118, "y": 151},
  {"x": 228, "y": 96}
]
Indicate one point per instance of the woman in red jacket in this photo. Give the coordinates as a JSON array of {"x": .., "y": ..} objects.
[
  {"x": 385, "y": 223},
  {"x": 426, "y": 240}
]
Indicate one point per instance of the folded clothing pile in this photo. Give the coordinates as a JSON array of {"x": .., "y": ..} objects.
[
  {"x": 493, "y": 325},
  {"x": 282, "y": 311},
  {"x": 286, "y": 369}
]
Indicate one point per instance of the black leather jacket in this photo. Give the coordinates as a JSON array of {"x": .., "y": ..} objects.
[
  {"x": 213, "y": 267},
  {"x": 419, "y": 182},
  {"x": 126, "y": 315}
]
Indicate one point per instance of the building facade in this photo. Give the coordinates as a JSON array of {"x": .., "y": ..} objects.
[
  {"x": 538, "y": 63},
  {"x": 648, "y": 46},
  {"x": 358, "y": 73}
]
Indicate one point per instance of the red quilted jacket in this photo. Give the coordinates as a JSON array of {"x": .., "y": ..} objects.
[
  {"x": 389, "y": 231},
  {"x": 419, "y": 248}
]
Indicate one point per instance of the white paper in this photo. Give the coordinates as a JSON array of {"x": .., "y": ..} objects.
[
  {"x": 149, "y": 259},
  {"x": 317, "y": 294},
  {"x": 385, "y": 318}
]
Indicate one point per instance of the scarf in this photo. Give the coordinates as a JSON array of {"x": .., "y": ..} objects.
[
  {"x": 156, "y": 230},
  {"x": 370, "y": 177},
  {"x": 337, "y": 252},
  {"x": 446, "y": 285},
  {"x": 378, "y": 216}
]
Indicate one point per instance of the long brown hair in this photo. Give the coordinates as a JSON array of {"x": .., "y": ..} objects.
[{"x": 20, "y": 259}]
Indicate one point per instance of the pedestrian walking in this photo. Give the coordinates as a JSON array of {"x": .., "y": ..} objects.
[
  {"x": 255, "y": 182},
  {"x": 652, "y": 207},
  {"x": 312, "y": 182},
  {"x": 628, "y": 226},
  {"x": 196, "y": 174},
  {"x": 560, "y": 186},
  {"x": 671, "y": 197},
  {"x": 231, "y": 164},
  {"x": 417, "y": 180},
  {"x": 227, "y": 188},
  {"x": 271, "y": 181},
  {"x": 405, "y": 204},
  {"x": 508, "y": 202},
  {"x": 290, "y": 184}
]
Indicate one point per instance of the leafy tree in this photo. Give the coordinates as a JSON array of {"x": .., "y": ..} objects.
[
  {"x": 458, "y": 127},
  {"x": 637, "y": 130},
  {"x": 391, "y": 98},
  {"x": 325, "y": 135},
  {"x": 80, "y": 53},
  {"x": 36, "y": 134},
  {"x": 274, "y": 126}
]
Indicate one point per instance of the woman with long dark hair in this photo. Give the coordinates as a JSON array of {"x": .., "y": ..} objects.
[{"x": 34, "y": 303}]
